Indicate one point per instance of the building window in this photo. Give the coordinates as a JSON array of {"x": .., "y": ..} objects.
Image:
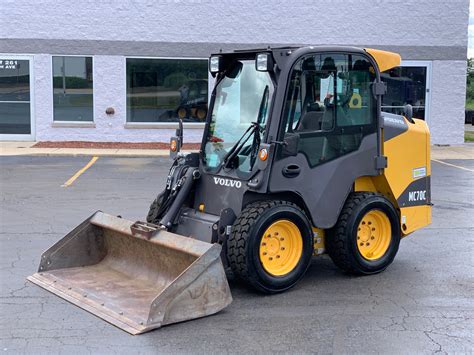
[
  {"x": 15, "y": 104},
  {"x": 72, "y": 89},
  {"x": 405, "y": 85},
  {"x": 163, "y": 90}
]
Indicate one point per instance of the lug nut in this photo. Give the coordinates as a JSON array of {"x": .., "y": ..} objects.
[
  {"x": 367, "y": 244},
  {"x": 270, "y": 258},
  {"x": 278, "y": 256},
  {"x": 263, "y": 244},
  {"x": 373, "y": 229},
  {"x": 282, "y": 248},
  {"x": 282, "y": 239},
  {"x": 372, "y": 238},
  {"x": 264, "y": 253}
]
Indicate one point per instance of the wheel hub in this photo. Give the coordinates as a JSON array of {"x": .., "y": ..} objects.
[
  {"x": 374, "y": 234},
  {"x": 281, "y": 247}
]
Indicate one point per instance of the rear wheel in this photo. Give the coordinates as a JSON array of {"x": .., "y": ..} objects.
[
  {"x": 271, "y": 245},
  {"x": 366, "y": 237}
]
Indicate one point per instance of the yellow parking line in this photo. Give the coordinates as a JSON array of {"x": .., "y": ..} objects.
[
  {"x": 80, "y": 172},
  {"x": 454, "y": 166}
]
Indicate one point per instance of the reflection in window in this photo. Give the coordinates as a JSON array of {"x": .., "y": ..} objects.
[
  {"x": 405, "y": 85},
  {"x": 14, "y": 96},
  {"x": 72, "y": 89},
  {"x": 161, "y": 90},
  {"x": 330, "y": 105}
]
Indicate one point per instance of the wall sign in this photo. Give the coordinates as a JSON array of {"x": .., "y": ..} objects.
[{"x": 8, "y": 64}]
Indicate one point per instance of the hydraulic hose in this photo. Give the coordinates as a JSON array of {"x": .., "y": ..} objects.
[{"x": 183, "y": 193}]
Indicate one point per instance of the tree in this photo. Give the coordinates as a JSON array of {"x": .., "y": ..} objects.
[{"x": 470, "y": 84}]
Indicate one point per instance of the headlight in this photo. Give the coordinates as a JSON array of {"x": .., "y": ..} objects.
[
  {"x": 215, "y": 64},
  {"x": 264, "y": 62}
]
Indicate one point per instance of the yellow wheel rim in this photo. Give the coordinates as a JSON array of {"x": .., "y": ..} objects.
[
  {"x": 201, "y": 114},
  {"x": 281, "y": 247},
  {"x": 182, "y": 113},
  {"x": 374, "y": 234}
]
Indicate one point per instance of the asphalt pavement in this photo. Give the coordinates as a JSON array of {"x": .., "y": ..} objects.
[{"x": 423, "y": 303}]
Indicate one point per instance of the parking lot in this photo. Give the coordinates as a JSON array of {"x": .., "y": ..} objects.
[{"x": 424, "y": 302}]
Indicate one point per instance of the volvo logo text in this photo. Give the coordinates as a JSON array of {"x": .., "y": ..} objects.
[{"x": 227, "y": 182}]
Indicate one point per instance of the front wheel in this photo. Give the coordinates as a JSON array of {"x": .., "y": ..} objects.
[
  {"x": 271, "y": 245},
  {"x": 154, "y": 213},
  {"x": 366, "y": 237}
]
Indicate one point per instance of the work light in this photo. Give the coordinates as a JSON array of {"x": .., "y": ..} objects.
[
  {"x": 215, "y": 64},
  {"x": 264, "y": 62}
]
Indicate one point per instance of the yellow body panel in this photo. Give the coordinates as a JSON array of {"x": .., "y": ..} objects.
[
  {"x": 406, "y": 152},
  {"x": 417, "y": 216},
  {"x": 385, "y": 60}
]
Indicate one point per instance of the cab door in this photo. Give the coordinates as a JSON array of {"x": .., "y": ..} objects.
[{"x": 330, "y": 111}]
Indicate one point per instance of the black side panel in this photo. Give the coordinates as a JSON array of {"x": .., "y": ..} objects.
[
  {"x": 418, "y": 193},
  {"x": 218, "y": 193},
  {"x": 326, "y": 187},
  {"x": 394, "y": 125}
]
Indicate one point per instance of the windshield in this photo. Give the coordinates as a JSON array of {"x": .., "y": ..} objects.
[{"x": 243, "y": 96}]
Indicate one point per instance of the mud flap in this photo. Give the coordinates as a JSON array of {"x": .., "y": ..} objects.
[{"x": 136, "y": 281}]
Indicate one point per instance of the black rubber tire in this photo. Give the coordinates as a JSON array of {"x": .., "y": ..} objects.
[
  {"x": 152, "y": 216},
  {"x": 341, "y": 241},
  {"x": 244, "y": 242}
]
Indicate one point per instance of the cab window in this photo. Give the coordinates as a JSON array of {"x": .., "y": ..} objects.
[{"x": 330, "y": 105}]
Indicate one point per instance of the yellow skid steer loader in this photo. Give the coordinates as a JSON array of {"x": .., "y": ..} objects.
[{"x": 298, "y": 158}]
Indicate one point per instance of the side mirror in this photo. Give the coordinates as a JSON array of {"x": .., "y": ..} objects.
[
  {"x": 408, "y": 112},
  {"x": 290, "y": 146}
]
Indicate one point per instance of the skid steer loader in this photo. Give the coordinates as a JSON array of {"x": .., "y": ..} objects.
[{"x": 298, "y": 158}]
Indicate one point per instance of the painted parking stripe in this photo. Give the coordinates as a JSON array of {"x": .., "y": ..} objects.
[
  {"x": 454, "y": 166},
  {"x": 80, "y": 172}
]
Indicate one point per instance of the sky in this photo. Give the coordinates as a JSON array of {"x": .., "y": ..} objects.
[{"x": 470, "y": 50}]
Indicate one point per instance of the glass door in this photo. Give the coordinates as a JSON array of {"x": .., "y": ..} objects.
[
  {"x": 15, "y": 98},
  {"x": 408, "y": 84}
]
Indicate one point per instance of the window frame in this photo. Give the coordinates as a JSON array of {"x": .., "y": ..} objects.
[
  {"x": 32, "y": 135},
  {"x": 164, "y": 125},
  {"x": 78, "y": 124}
]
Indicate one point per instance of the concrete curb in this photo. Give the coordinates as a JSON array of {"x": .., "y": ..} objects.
[
  {"x": 464, "y": 151},
  {"x": 26, "y": 149}
]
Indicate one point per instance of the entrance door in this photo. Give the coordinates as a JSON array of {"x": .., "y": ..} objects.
[
  {"x": 16, "y": 98},
  {"x": 408, "y": 84}
]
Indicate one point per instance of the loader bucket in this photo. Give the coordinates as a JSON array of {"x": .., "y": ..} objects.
[{"x": 137, "y": 281}]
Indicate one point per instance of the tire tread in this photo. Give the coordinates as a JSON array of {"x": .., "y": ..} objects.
[
  {"x": 236, "y": 244},
  {"x": 337, "y": 243}
]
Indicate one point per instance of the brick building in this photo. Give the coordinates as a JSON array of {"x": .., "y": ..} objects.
[{"x": 63, "y": 64}]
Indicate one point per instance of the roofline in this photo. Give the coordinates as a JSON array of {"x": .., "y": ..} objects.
[{"x": 385, "y": 60}]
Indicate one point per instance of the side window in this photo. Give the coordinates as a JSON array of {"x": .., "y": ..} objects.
[{"x": 330, "y": 105}]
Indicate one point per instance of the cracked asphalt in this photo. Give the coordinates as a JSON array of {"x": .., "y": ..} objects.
[{"x": 423, "y": 303}]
